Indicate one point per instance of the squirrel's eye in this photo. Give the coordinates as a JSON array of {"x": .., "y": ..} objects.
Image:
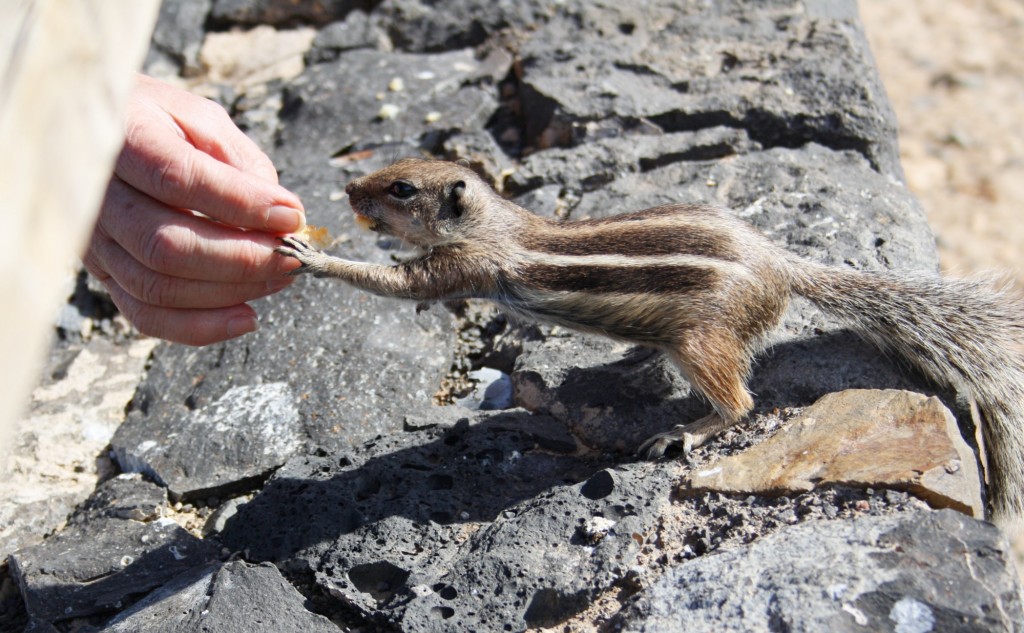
[{"x": 402, "y": 189}]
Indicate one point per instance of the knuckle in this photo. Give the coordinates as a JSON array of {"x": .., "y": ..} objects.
[
  {"x": 155, "y": 321},
  {"x": 165, "y": 248},
  {"x": 174, "y": 179},
  {"x": 252, "y": 262},
  {"x": 157, "y": 290},
  {"x": 131, "y": 309},
  {"x": 213, "y": 109}
]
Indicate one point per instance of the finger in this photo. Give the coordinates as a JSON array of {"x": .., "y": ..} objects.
[
  {"x": 191, "y": 327},
  {"x": 174, "y": 172},
  {"x": 159, "y": 157},
  {"x": 166, "y": 291},
  {"x": 209, "y": 128},
  {"x": 181, "y": 244}
]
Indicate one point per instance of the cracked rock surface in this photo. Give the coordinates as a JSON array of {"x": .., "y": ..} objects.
[
  {"x": 316, "y": 475},
  {"x": 861, "y": 579}
]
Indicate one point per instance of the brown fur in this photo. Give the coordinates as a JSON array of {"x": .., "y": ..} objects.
[{"x": 692, "y": 281}]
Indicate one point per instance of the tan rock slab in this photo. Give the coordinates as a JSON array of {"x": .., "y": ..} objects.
[
  {"x": 865, "y": 438},
  {"x": 248, "y": 58}
]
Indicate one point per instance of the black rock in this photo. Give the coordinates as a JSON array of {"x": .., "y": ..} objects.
[
  {"x": 355, "y": 103},
  {"x": 282, "y": 13},
  {"x": 788, "y": 73},
  {"x": 462, "y": 526},
  {"x": 123, "y": 497},
  {"x": 216, "y": 448},
  {"x": 102, "y": 565},
  {"x": 423, "y": 25},
  {"x": 226, "y": 598},
  {"x": 613, "y": 396}
]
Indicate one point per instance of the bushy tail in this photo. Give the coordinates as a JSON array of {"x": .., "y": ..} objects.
[{"x": 966, "y": 335}]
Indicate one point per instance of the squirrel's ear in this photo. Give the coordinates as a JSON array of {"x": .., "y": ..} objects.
[{"x": 453, "y": 201}]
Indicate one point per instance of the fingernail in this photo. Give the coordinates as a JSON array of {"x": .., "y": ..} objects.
[
  {"x": 242, "y": 325},
  {"x": 279, "y": 283},
  {"x": 284, "y": 219}
]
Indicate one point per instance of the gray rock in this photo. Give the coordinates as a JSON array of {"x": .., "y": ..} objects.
[
  {"x": 357, "y": 30},
  {"x": 352, "y": 104},
  {"x": 419, "y": 524},
  {"x": 483, "y": 153},
  {"x": 937, "y": 571},
  {"x": 590, "y": 166},
  {"x": 493, "y": 391},
  {"x": 613, "y": 396},
  {"x": 245, "y": 433},
  {"x": 788, "y": 73},
  {"x": 540, "y": 562},
  {"x": 421, "y": 25},
  {"x": 126, "y": 496},
  {"x": 101, "y": 563},
  {"x": 432, "y": 474},
  {"x": 219, "y": 517},
  {"x": 257, "y": 112},
  {"x": 223, "y": 598},
  {"x": 547, "y": 201},
  {"x": 338, "y": 358},
  {"x": 177, "y": 37}
]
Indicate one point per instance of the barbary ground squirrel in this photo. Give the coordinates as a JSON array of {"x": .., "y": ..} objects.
[{"x": 691, "y": 280}]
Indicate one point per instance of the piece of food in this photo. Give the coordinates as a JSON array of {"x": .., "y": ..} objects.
[
  {"x": 316, "y": 236},
  {"x": 364, "y": 221}
]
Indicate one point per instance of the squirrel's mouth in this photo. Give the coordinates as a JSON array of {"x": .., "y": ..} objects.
[
  {"x": 371, "y": 223},
  {"x": 365, "y": 221},
  {"x": 364, "y": 210}
]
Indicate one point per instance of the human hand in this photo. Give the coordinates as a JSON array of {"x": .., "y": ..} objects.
[{"x": 173, "y": 273}]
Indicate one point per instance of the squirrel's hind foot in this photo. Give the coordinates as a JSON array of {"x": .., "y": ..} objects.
[{"x": 686, "y": 436}]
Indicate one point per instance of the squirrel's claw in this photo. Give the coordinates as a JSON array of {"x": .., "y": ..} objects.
[{"x": 297, "y": 249}]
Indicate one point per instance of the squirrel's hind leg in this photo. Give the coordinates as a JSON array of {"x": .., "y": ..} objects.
[{"x": 716, "y": 363}]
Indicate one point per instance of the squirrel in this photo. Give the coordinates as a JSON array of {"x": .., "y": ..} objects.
[{"x": 693, "y": 281}]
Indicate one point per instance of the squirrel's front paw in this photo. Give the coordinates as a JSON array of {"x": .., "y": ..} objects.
[{"x": 309, "y": 257}]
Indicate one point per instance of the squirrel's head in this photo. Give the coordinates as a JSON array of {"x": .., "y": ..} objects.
[{"x": 424, "y": 202}]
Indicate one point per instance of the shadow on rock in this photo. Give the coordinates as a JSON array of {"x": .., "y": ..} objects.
[
  {"x": 409, "y": 528},
  {"x": 437, "y": 476},
  {"x": 614, "y": 400},
  {"x": 448, "y": 470}
]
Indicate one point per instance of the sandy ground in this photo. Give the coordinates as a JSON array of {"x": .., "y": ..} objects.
[{"x": 954, "y": 70}]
